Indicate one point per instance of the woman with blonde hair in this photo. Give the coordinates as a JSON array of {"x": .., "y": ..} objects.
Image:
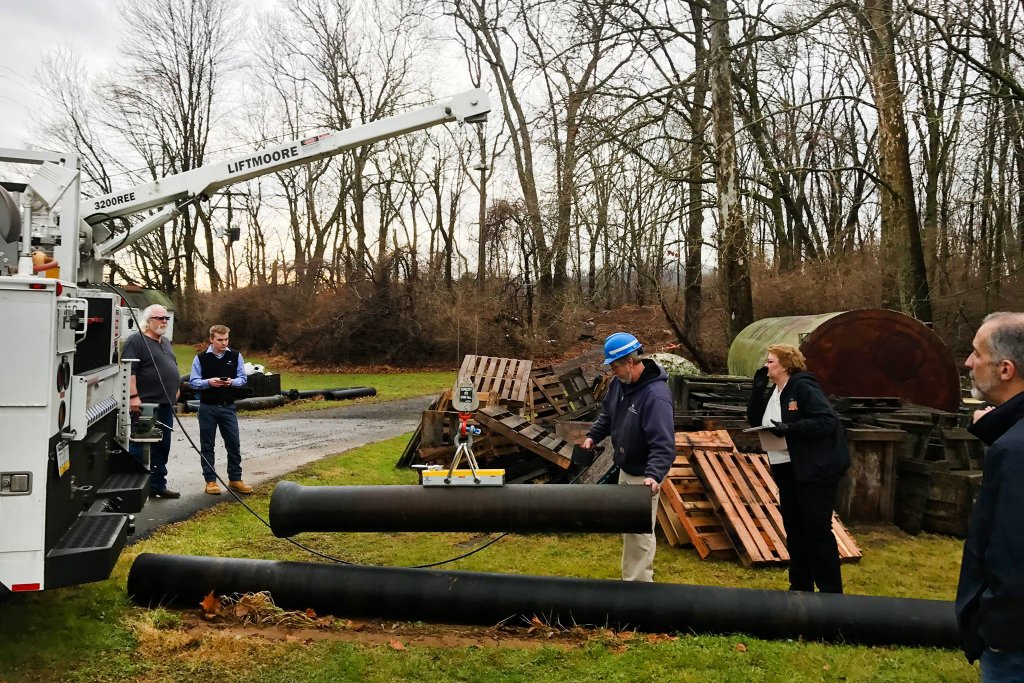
[{"x": 808, "y": 469}]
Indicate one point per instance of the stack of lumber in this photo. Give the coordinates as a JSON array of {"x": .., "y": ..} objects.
[
  {"x": 725, "y": 503},
  {"x": 520, "y": 409}
]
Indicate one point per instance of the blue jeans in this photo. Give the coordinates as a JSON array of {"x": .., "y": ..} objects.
[
  {"x": 1006, "y": 666},
  {"x": 212, "y": 416},
  {"x": 158, "y": 452}
]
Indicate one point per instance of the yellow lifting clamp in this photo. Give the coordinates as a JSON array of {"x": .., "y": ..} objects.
[{"x": 465, "y": 401}]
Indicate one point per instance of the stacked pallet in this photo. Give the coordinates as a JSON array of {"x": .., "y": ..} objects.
[
  {"x": 520, "y": 409},
  {"x": 725, "y": 503}
]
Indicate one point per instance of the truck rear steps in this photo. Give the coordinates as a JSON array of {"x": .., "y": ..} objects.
[
  {"x": 125, "y": 491},
  {"x": 88, "y": 551}
]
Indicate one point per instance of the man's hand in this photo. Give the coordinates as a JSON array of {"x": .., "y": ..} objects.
[
  {"x": 978, "y": 414},
  {"x": 135, "y": 404},
  {"x": 588, "y": 444},
  {"x": 653, "y": 484},
  {"x": 217, "y": 382}
]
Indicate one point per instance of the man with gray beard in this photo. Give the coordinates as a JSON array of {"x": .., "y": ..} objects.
[{"x": 990, "y": 595}]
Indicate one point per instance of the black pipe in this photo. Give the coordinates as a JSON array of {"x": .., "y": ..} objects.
[
  {"x": 479, "y": 598},
  {"x": 549, "y": 508},
  {"x": 351, "y": 392},
  {"x": 260, "y": 402},
  {"x": 336, "y": 393}
]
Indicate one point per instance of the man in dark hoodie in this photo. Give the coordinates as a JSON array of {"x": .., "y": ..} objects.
[
  {"x": 990, "y": 596},
  {"x": 637, "y": 413}
]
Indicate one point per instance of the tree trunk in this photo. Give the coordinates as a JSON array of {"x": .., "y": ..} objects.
[{"x": 734, "y": 242}]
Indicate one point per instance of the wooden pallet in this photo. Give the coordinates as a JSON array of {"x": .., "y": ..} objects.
[
  {"x": 747, "y": 508},
  {"x": 709, "y": 440},
  {"x": 508, "y": 377},
  {"x": 744, "y": 494},
  {"x": 687, "y": 516},
  {"x": 545, "y": 443},
  {"x": 549, "y": 396}
]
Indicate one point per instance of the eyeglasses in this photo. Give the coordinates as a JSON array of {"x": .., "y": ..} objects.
[{"x": 159, "y": 317}]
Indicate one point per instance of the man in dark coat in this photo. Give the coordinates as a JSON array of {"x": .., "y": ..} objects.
[
  {"x": 637, "y": 413},
  {"x": 990, "y": 596}
]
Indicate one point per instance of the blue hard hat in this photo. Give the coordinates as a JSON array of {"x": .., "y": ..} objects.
[{"x": 618, "y": 345}]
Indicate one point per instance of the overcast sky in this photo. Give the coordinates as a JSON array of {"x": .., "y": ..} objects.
[{"x": 29, "y": 29}]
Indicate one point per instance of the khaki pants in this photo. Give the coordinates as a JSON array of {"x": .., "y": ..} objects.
[{"x": 638, "y": 549}]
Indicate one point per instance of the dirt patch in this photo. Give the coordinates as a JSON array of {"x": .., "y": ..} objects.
[
  {"x": 399, "y": 635},
  {"x": 647, "y": 323}
]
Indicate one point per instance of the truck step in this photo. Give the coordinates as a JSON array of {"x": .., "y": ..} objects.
[
  {"x": 125, "y": 491},
  {"x": 88, "y": 551}
]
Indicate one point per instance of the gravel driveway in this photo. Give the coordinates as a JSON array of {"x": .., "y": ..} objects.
[{"x": 273, "y": 445}]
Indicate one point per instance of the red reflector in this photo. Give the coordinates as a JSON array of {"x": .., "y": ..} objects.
[
  {"x": 21, "y": 587},
  {"x": 60, "y": 289},
  {"x": 36, "y": 286}
]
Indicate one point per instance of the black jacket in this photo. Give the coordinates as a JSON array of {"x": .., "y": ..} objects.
[
  {"x": 816, "y": 440},
  {"x": 639, "y": 418},
  {"x": 990, "y": 595}
]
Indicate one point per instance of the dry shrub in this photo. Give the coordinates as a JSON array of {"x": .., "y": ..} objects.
[
  {"x": 817, "y": 287},
  {"x": 403, "y": 325}
]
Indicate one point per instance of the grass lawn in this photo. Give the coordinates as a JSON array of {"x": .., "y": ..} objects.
[
  {"x": 390, "y": 387},
  {"x": 92, "y": 633}
]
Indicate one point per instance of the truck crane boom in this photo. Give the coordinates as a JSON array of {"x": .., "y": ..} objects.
[{"x": 68, "y": 485}]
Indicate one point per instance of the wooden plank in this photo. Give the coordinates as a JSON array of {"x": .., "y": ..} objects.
[
  {"x": 495, "y": 418},
  {"x": 521, "y": 383},
  {"x": 502, "y": 387},
  {"x": 671, "y": 525},
  {"x": 711, "y": 440}
]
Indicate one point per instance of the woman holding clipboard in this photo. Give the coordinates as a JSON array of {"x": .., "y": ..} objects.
[{"x": 807, "y": 463}]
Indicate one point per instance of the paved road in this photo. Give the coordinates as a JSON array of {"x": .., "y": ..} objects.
[{"x": 273, "y": 445}]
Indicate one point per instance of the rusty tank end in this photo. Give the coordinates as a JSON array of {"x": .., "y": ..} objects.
[{"x": 867, "y": 352}]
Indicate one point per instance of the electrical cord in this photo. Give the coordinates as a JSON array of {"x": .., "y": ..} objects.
[{"x": 253, "y": 512}]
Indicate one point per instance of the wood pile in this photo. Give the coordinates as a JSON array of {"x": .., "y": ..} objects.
[
  {"x": 725, "y": 503},
  {"x": 521, "y": 410}
]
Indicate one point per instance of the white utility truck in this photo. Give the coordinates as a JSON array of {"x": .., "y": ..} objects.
[{"x": 68, "y": 486}]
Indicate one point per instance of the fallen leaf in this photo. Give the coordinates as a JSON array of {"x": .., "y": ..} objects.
[
  {"x": 625, "y": 635},
  {"x": 210, "y": 604},
  {"x": 355, "y": 625},
  {"x": 740, "y": 647},
  {"x": 396, "y": 645},
  {"x": 310, "y": 614},
  {"x": 537, "y": 622}
]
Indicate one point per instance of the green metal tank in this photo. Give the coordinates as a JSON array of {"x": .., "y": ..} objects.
[{"x": 868, "y": 352}]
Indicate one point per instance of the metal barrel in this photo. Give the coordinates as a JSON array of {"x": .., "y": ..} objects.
[
  {"x": 480, "y": 598},
  {"x": 548, "y": 508},
  {"x": 866, "y": 352}
]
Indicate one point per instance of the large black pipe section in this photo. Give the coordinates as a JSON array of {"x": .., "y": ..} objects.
[
  {"x": 547, "y": 508},
  {"x": 479, "y": 598}
]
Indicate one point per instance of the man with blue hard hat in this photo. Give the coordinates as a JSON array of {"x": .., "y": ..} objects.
[{"x": 637, "y": 413}]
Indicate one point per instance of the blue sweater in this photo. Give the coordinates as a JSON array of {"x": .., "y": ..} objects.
[{"x": 638, "y": 417}]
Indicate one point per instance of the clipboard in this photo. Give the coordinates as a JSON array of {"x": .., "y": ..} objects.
[{"x": 769, "y": 442}]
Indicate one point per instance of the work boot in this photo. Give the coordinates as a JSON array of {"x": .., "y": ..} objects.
[
  {"x": 164, "y": 493},
  {"x": 212, "y": 488},
  {"x": 239, "y": 486}
]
